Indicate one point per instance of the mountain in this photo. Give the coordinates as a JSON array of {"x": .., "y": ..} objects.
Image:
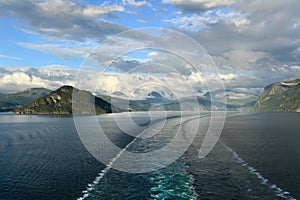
[
  {"x": 191, "y": 103},
  {"x": 9, "y": 102},
  {"x": 153, "y": 98},
  {"x": 236, "y": 100},
  {"x": 280, "y": 97},
  {"x": 155, "y": 95},
  {"x": 244, "y": 104},
  {"x": 126, "y": 104},
  {"x": 60, "y": 102},
  {"x": 238, "y": 94}
]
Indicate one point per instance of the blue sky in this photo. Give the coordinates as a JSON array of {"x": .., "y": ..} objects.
[
  {"x": 257, "y": 41},
  {"x": 17, "y": 30}
]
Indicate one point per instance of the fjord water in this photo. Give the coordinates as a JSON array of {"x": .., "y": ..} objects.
[{"x": 257, "y": 157}]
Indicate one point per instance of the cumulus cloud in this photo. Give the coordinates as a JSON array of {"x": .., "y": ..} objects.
[
  {"x": 14, "y": 79},
  {"x": 199, "y": 21},
  {"x": 127, "y": 64},
  {"x": 140, "y": 84},
  {"x": 295, "y": 67},
  {"x": 262, "y": 33},
  {"x": 136, "y": 3},
  {"x": 257, "y": 39},
  {"x": 241, "y": 59},
  {"x": 18, "y": 81},
  {"x": 63, "y": 19},
  {"x": 133, "y": 85},
  {"x": 170, "y": 63},
  {"x": 199, "y": 5},
  {"x": 259, "y": 26}
]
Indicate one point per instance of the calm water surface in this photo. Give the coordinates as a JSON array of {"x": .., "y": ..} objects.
[{"x": 257, "y": 157}]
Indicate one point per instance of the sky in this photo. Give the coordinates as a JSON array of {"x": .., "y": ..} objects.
[{"x": 45, "y": 42}]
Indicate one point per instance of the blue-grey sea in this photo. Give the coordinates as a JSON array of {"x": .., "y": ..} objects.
[{"x": 256, "y": 157}]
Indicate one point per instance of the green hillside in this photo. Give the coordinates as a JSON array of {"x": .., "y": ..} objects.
[
  {"x": 9, "y": 102},
  {"x": 60, "y": 102},
  {"x": 280, "y": 97}
]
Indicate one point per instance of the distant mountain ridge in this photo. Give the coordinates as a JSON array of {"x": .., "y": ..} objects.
[
  {"x": 9, "y": 102},
  {"x": 60, "y": 102},
  {"x": 280, "y": 97}
]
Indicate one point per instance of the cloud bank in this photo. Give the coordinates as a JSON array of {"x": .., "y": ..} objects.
[
  {"x": 254, "y": 43},
  {"x": 132, "y": 85}
]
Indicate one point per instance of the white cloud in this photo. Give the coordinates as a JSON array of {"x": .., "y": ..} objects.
[
  {"x": 139, "y": 84},
  {"x": 63, "y": 19},
  {"x": 136, "y": 3},
  {"x": 94, "y": 11},
  {"x": 51, "y": 77},
  {"x": 134, "y": 85},
  {"x": 258, "y": 27},
  {"x": 295, "y": 67},
  {"x": 241, "y": 59},
  {"x": 169, "y": 63},
  {"x": 69, "y": 8},
  {"x": 258, "y": 37},
  {"x": 192, "y": 5},
  {"x": 196, "y": 22},
  {"x": 10, "y": 57},
  {"x": 66, "y": 50},
  {"x": 17, "y": 81}
]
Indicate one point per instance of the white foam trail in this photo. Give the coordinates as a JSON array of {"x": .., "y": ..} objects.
[
  {"x": 278, "y": 191},
  {"x": 91, "y": 186},
  {"x": 150, "y": 131}
]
